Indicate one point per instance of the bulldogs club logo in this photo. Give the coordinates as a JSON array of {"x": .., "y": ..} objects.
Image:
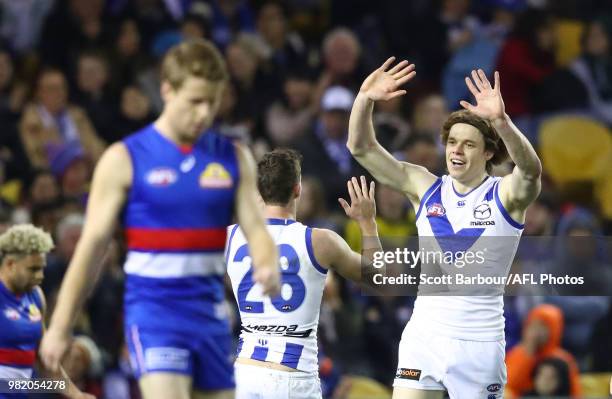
[{"x": 436, "y": 210}]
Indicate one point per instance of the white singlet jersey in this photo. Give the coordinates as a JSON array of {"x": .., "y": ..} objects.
[
  {"x": 474, "y": 219},
  {"x": 282, "y": 329}
]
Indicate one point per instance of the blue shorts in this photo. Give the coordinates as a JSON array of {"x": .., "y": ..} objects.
[{"x": 205, "y": 357}]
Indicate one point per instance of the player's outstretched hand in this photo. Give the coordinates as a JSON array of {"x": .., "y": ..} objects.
[
  {"x": 489, "y": 102},
  {"x": 269, "y": 278},
  {"x": 383, "y": 84},
  {"x": 53, "y": 348},
  {"x": 363, "y": 206}
]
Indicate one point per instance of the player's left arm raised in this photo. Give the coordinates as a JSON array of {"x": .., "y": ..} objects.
[
  {"x": 522, "y": 186},
  {"x": 261, "y": 246}
]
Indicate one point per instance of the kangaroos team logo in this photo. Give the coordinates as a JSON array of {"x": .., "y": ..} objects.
[
  {"x": 436, "y": 210},
  {"x": 215, "y": 176},
  {"x": 34, "y": 313}
]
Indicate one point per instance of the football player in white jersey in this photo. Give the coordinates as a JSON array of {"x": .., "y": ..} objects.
[
  {"x": 454, "y": 343},
  {"x": 277, "y": 350}
]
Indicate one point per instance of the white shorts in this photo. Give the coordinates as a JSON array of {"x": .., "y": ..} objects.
[
  {"x": 253, "y": 382},
  {"x": 466, "y": 369}
]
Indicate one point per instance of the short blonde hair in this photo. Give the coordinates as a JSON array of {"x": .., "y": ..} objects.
[
  {"x": 199, "y": 58},
  {"x": 25, "y": 239}
]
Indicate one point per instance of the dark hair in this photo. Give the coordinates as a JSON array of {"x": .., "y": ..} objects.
[
  {"x": 493, "y": 142},
  {"x": 277, "y": 174},
  {"x": 529, "y": 22},
  {"x": 563, "y": 389}
]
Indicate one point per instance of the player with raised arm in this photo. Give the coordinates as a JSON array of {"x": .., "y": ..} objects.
[
  {"x": 23, "y": 257},
  {"x": 454, "y": 343},
  {"x": 277, "y": 350},
  {"x": 176, "y": 185}
]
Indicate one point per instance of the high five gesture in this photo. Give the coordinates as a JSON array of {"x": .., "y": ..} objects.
[
  {"x": 489, "y": 102},
  {"x": 383, "y": 84}
]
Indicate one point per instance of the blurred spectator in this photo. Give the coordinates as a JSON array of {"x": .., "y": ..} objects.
[
  {"x": 324, "y": 150},
  {"x": 577, "y": 254},
  {"x": 230, "y": 17},
  {"x": 430, "y": 113},
  {"x": 551, "y": 377},
  {"x": 127, "y": 57},
  {"x": 231, "y": 121},
  {"x": 340, "y": 52},
  {"x": 394, "y": 217},
  {"x": 134, "y": 113},
  {"x": 12, "y": 91},
  {"x": 72, "y": 26},
  {"x": 21, "y": 22},
  {"x": 290, "y": 117},
  {"x": 540, "y": 216},
  {"x": 503, "y": 18},
  {"x": 51, "y": 120},
  {"x": 42, "y": 188},
  {"x": 45, "y": 216},
  {"x": 586, "y": 84},
  {"x": 285, "y": 49},
  {"x": 312, "y": 210},
  {"x": 92, "y": 92},
  {"x": 542, "y": 331},
  {"x": 390, "y": 125},
  {"x": 449, "y": 29},
  {"x": 255, "y": 88},
  {"x": 73, "y": 171},
  {"x": 422, "y": 149},
  {"x": 67, "y": 234},
  {"x": 341, "y": 326},
  {"x": 195, "y": 26},
  {"x": 525, "y": 60}
]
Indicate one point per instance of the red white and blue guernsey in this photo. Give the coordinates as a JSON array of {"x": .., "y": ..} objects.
[
  {"x": 20, "y": 333},
  {"x": 178, "y": 208},
  {"x": 477, "y": 221}
]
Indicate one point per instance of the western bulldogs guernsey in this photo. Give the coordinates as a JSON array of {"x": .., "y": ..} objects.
[
  {"x": 473, "y": 218},
  {"x": 282, "y": 329},
  {"x": 175, "y": 218},
  {"x": 20, "y": 332}
]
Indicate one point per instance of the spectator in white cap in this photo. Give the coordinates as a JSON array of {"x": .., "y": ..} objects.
[{"x": 324, "y": 150}]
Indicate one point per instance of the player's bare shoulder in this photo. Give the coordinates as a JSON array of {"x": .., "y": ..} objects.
[{"x": 114, "y": 167}]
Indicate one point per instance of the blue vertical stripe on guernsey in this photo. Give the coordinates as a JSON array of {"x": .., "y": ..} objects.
[
  {"x": 229, "y": 244},
  {"x": 260, "y": 353},
  {"x": 443, "y": 230},
  {"x": 292, "y": 355}
]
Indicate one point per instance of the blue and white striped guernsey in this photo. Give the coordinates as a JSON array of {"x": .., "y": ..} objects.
[{"x": 282, "y": 329}]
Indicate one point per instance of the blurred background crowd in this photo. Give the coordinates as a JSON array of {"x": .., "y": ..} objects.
[{"x": 77, "y": 75}]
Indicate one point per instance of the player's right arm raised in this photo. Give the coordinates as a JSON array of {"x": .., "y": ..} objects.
[
  {"x": 112, "y": 177},
  {"x": 384, "y": 84}
]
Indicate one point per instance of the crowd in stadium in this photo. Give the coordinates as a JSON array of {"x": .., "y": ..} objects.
[{"x": 77, "y": 75}]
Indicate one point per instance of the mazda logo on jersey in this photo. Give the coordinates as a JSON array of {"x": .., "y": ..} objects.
[{"x": 482, "y": 211}]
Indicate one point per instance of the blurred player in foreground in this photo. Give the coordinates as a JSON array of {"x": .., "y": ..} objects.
[
  {"x": 23, "y": 253},
  {"x": 454, "y": 343},
  {"x": 277, "y": 350},
  {"x": 176, "y": 185}
]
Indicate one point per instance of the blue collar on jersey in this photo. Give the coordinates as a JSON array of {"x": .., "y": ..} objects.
[{"x": 286, "y": 222}]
